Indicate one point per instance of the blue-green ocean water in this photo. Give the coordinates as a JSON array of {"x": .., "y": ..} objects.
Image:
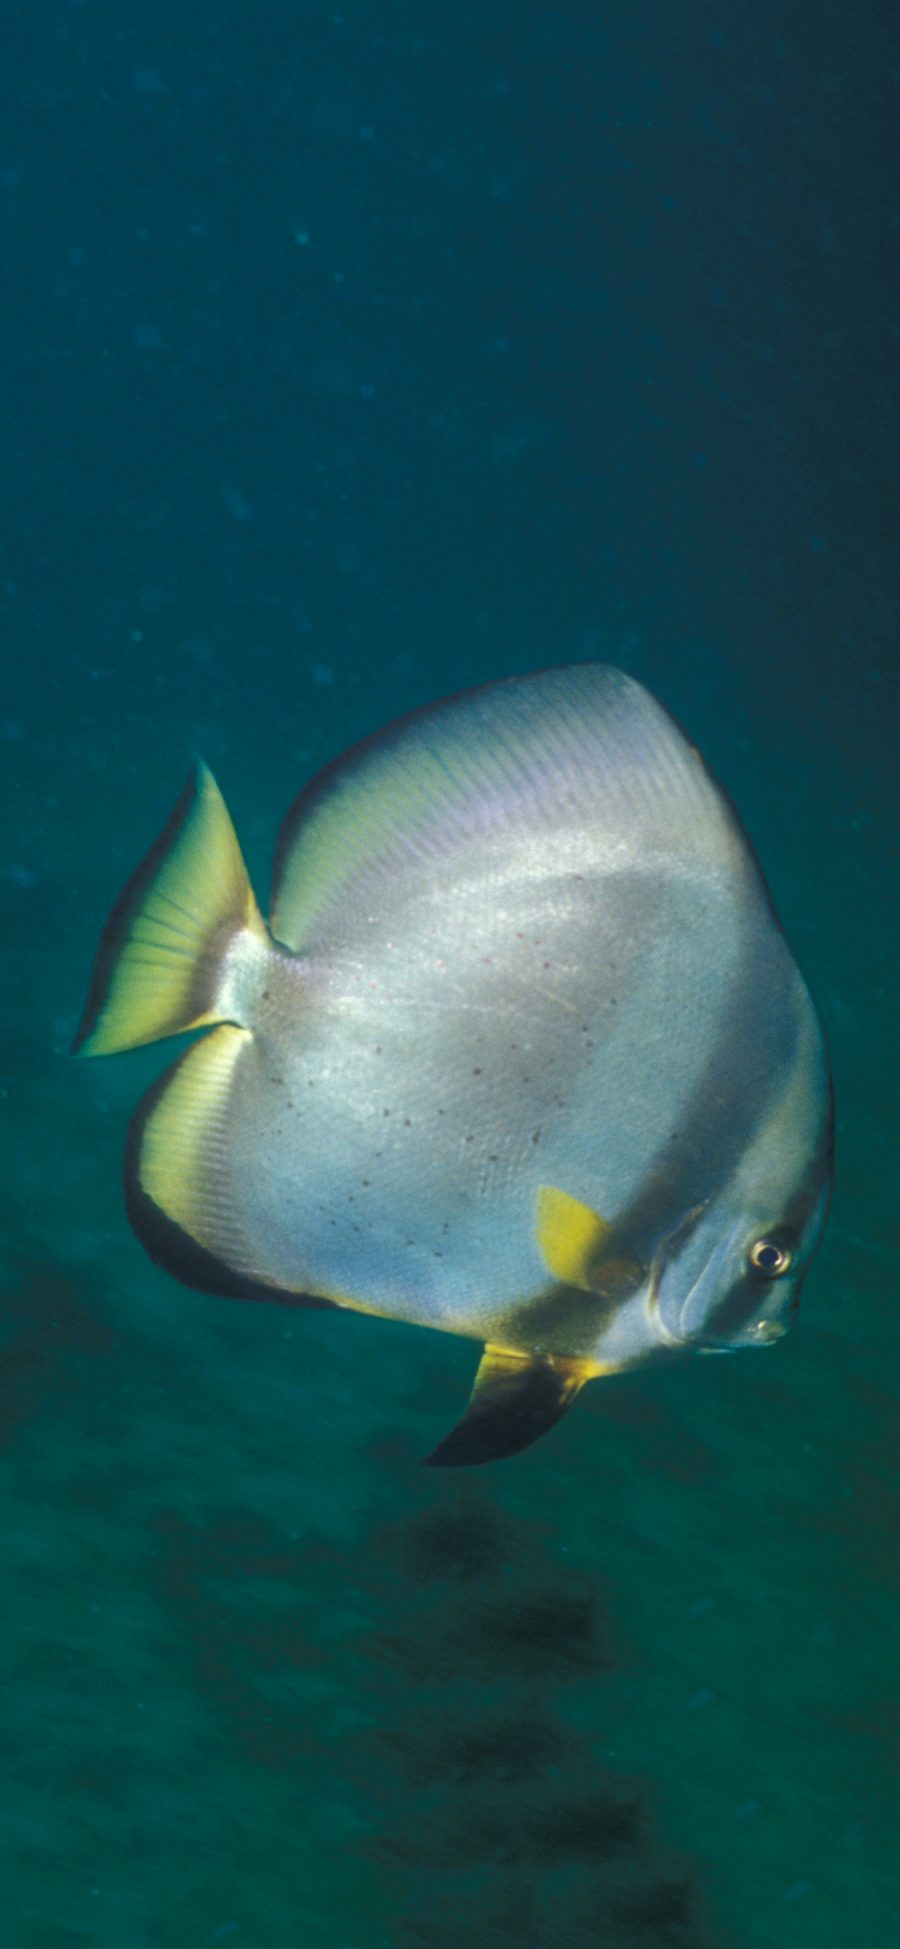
[{"x": 351, "y": 354}]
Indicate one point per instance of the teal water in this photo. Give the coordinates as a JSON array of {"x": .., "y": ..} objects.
[{"x": 353, "y": 354}]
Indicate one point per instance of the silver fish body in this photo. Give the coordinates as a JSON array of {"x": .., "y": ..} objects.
[{"x": 523, "y": 1054}]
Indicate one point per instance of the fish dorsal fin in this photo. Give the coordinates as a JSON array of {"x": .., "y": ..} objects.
[
  {"x": 579, "y": 1248},
  {"x": 584, "y": 747},
  {"x": 515, "y": 1399}
]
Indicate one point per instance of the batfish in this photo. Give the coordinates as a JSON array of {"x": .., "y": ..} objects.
[{"x": 521, "y": 1054}]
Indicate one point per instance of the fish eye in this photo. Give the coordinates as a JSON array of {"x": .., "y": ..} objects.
[{"x": 769, "y": 1258}]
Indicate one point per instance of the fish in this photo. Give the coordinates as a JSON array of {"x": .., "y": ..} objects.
[{"x": 521, "y": 1053}]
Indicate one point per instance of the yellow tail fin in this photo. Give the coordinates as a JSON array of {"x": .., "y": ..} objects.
[{"x": 164, "y": 958}]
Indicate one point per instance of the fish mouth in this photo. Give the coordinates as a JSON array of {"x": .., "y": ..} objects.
[
  {"x": 768, "y": 1332},
  {"x": 765, "y": 1334},
  {"x": 739, "y": 1319}
]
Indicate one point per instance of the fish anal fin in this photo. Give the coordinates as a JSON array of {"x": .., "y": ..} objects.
[
  {"x": 177, "y": 1206},
  {"x": 515, "y": 1399},
  {"x": 180, "y": 1134}
]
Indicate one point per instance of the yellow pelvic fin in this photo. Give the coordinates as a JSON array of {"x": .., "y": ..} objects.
[
  {"x": 515, "y": 1399},
  {"x": 172, "y": 944}
]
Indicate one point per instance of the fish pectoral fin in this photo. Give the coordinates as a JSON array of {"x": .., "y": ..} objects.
[
  {"x": 579, "y": 1247},
  {"x": 515, "y": 1399},
  {"x": 571, "y": 1238}
]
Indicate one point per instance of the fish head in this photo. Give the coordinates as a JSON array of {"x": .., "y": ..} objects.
[
  {"x": 729, "y": 1274},
  {"x": 735, "y": 1280}
]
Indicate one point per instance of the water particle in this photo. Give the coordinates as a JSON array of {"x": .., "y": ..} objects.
[
  {"x": 148, "y": 82},
  {"x": 237, "y": 503},
  {"x": 147, "y": 338}
]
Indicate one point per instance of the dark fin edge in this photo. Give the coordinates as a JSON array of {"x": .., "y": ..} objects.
[
  {"x": 515, "y": 1400},
  {"x": 129, "y": 901},
  {"x": 172, "y": 1248}
]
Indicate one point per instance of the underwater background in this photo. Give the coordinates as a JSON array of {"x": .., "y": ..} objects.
[{"x": 353, "y": 353}]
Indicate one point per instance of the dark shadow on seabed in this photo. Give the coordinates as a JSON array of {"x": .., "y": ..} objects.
[
  {"x": 422, "y": 1690},
  {"x": 485, "y": 1812}
]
